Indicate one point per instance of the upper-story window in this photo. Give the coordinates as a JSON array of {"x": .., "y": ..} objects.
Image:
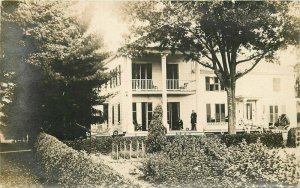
[
  {"x": 213, "y": 84},
  {"x": 172, "y": 71},
  {"x": 172, "y": 76},
  {"x": 141, "y": 71},
  {"x": 115, "y": 80},
  {"x": 276, "y": 84}
]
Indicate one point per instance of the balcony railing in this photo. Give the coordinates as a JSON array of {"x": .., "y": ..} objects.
[
  {"x": 143, "y": 84},
  {"x": 176, "y": 84}
]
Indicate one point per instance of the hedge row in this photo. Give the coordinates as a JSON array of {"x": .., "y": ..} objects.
[
  {"x": 271, "y": 140},
  {"x": 207, "y": 162},
  {"x": 70, "y": 168},
  {"x": 103, "y": 144}
]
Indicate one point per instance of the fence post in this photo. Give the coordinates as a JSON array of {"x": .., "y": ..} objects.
[
  {"x": 112, "y": 150},
  {"x": 143, "y": 149},
  {"x": 130, "y": 149},
  {"x": 125, "y": 149},
  {"x": 117, "y": 151},
  {"x": 137, "y": 148}
]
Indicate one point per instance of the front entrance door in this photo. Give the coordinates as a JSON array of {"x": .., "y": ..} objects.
[
  {"x": 173, "y": 115},
  {"x": 250, "y": 111},
  {"x": 142, "y": 115}
]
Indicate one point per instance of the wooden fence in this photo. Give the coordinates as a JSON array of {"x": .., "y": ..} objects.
[{"x": 128, "y": 150}]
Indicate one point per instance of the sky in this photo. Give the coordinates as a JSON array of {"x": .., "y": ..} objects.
[{"x": 104, "y": 19}]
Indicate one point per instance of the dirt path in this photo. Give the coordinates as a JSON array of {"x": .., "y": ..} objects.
[
  {"x": 17, "y": 170},
  {"x": 127, "y": 168}
]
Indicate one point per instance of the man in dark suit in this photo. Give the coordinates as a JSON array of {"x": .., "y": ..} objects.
[{"x": 193, "y": 120}]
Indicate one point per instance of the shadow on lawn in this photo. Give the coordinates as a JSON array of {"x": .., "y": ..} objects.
[{"x": 20, "y": 168}]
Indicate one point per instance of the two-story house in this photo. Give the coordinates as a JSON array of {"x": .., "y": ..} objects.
[{"x": 140, "y": 84}]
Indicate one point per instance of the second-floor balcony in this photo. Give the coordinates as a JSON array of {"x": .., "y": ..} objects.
[
  {"x": 172, "y": 85},
  {"x": 180, "y": 85},
  {"x": 143, "y": 84}
]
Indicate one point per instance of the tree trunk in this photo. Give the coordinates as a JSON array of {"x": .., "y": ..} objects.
[{"x": 231, "y": 108}]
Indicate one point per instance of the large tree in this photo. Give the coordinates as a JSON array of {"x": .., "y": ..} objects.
[
  {"x": 63, "y": 69},
  {"x": 219, "y": 35}
]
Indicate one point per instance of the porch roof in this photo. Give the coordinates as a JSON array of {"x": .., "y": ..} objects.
[{"x": 252, "y": 98}]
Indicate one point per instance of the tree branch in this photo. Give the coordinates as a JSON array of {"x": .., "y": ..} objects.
[
  {"x": 241, "y": 74},
  {"x": 207, "y": 65},
  {"x": 222, "y": 52},
  {"x": 249, "y": 59}
]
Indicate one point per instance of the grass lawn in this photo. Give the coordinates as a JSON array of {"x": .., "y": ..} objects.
[{"x": 19, "y": 169}]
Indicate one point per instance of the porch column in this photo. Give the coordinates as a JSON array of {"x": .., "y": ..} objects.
[
  {"x": 200, "y": 113},
  {"x": 126, "y": 108},
  {"x": 164, "y": 89}
]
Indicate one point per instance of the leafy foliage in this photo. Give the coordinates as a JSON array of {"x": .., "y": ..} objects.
[
  {"x": 103, "y": 144},
  {"x": 65, "y": 63},
  {"x": 70, "y": 168},
  {"x": 291, "y": 142},
  {"x": 271, "y": 140},
  {"x": 206, "y": 162},
  {"x": 156, "y": 137}
]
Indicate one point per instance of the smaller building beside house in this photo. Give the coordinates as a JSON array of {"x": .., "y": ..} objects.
[{"x": 140, "y": 84}]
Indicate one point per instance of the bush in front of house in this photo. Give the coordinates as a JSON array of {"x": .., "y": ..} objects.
[
  {"x": 71, "y": 168},
  {"x": 156, "y": 137},
  {"x": 271, "y": 140},
  {"x": 207, "y": 162},
  {"x": 104, "y": 144},
  {"x": 291, "y": 142}
]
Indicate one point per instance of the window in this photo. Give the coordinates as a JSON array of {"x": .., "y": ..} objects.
[
  {"x": 172, "y": 76},
  {"x": 141, "y": 115},
  {"x": 172, "y": 71},
  {"x": 119, "y": 113},
  {"x": 249, "y": 111},
  {"x": 119, "y": 74},
  {"x": 115, "y": 79},
  {"x": 134, "y": 112},
  {"x": 208, "y": 113},
  {"x": 220, "y": 112},
  {"x": 276, "y": 84},
  {"x": 273, "y": 113},
  {"x": 149, "y": 113},
  {"x": 113, "y": 115},
  {"x": 218, "y": 116},
  {"x": 141, "y": 71},
  {"x": 213, "y": 84}
]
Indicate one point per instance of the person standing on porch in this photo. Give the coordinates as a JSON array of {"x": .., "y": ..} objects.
[{"x": 193, "y": 120}]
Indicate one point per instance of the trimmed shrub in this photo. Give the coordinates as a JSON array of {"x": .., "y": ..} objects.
[
  {"x": 291, "y": 142},
  {"x": 207, "y": 162},
  {"x": 271, "y": 140},
  {"x": 103, "y": 144},
  {"x": 156, "y": 137},
  {"x": 71, "y": 168}
]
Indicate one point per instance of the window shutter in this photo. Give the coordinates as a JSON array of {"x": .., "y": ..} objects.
[{"x": 208, "y": 113}]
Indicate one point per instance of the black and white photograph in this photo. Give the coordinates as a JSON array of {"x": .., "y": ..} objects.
[{"x": 144, "y": 93}]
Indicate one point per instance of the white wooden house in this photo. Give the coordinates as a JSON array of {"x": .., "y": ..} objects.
[{"x": 140, "y": 84}]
